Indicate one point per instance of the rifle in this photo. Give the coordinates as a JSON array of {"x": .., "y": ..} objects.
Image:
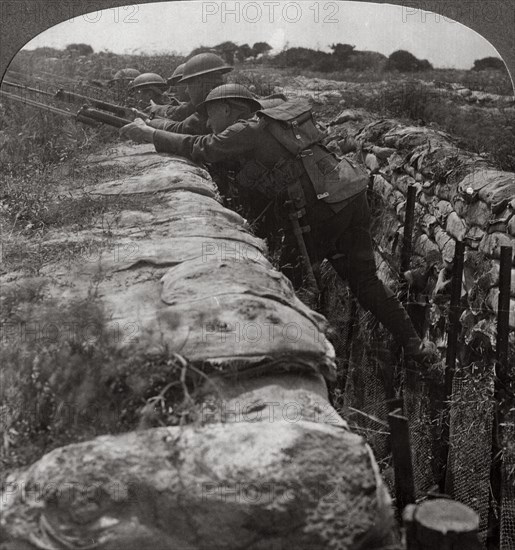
[
  {"x": 51, "y": 79},
  {"x": 118, "y": 110},
  {"x": 27, "y": 88},
  {"x": 301, "y": 234},
  {"x": 105, "y": 118},
  {"x": 86, "y": 115}
]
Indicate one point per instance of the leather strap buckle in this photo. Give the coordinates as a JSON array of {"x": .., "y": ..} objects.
[{"x": 295, "y": 127}]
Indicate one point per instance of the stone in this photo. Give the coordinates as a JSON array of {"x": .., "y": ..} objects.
[
  {"x": 473, "y": 237},
  {"x": 347, "y": 145},
  {"x": 491, "y": 278},
  {"x": 428, "y": 187},
  {"x": 442, "y": 210},
  {"x": 446, "y": 244},
  {"x": 372, "y": 163},
  {"x": 424, "y": 246},
  {"x": 395, "y": 198},
  {"x": 402, "y": 182},
  {"x": 492, "y": 301},
  {"x": 397, "y": 161},
  {"x": 382, "y": 187},
  {"x": 185, "y": 486},
  {"x": 455, "y": 226},
  {"x": 383, "y": 153},
  {"x": 375, "y": 131},
  {"x": 445, "y": 191},
  {"x": 428, "y": 223},
  {"x": 491, "y": 244},
  {"x": 491, "y": 185},
  {"x": 511, "y": 226},
  {"x": 345, "y": 116},
  {"x": 475, "y": 214}
]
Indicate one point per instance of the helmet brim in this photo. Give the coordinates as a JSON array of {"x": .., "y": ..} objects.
[
  {"x": 159, "y": 86},
  {"x": 222, "y": 70},
  {"x": 173, "y": 80},
  {"x": 202, "y": 107}
]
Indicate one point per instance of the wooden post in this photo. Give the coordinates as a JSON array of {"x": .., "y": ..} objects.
[
  {"x": 402, "y": 464},
  {"x": 503, "y": 391},
  {"x": 503, "y": 315},
  {"x": 441, "y": 524},
  {"x": 454, "y": 316},
  {"x": 409, "y": 220}
]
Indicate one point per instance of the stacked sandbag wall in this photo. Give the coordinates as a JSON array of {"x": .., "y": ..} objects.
[{"x": 268, "y": 463}]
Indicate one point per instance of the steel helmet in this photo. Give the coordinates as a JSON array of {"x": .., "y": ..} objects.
[
  {"x": 230, "y": 91},
  {"x": 204, "y": 63},
  {"x": 176, "y": 76},
  {"x": 125, "y": 74},
  {"x": 147, "y": 79}
]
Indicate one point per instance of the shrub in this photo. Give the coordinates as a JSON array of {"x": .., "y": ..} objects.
[
  {"x": 79, "y": 49},
  {"x": 489, "y": 63},
  {"x": 342, "y": 54},
  {"x": 261, "y": 48},
  {"x": 244, "y": 52},
  {"x": 305, "y": 58},
  {"x": 404, "y": 61}
]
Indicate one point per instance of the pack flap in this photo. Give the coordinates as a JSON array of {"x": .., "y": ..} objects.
[{"x": 286, "y": 111}]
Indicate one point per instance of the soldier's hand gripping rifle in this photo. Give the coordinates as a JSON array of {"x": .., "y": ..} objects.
[{"x": 117, "y": 110}]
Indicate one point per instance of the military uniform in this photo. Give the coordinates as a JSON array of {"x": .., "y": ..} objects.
[
  {"x": 340, "y": 231},
  {"x": 177, "y": 111},
  {"x": 195, "y": 124}
]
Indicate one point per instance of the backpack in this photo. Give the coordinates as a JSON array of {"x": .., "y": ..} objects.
[
  {"x": 292, "y": 124},
  {"x": 334, "y": 180}
]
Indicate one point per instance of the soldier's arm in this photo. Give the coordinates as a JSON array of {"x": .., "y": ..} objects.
[
  {"x": 237, "y": 140},
  {"x": 159, "y": 110},
  {"x": 192, "y": 125}
]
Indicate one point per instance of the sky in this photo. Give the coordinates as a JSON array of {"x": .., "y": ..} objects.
[{"x": 167, "y": 27}]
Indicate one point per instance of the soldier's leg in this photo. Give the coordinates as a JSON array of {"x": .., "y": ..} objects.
[{"x": 353, "y": 259}]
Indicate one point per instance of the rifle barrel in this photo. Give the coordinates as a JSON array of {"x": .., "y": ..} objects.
[
  {"x": 65, "y": 95},
  {"x": 28, "y": 88},
  {"x": 82, "y": 118},
  {"x": 56, "y": 81},
  {"x": 37, "y": 104}
]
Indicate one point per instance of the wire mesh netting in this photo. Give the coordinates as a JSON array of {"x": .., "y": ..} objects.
[
  {"x": 360, "y": 388},
  {"x": 470, "y": 441},
  {"x": 365, "y": 394},
  {"x": 366, "y": 364},
  {"x": 507, "y": 534},
  {"x": 421, "y": 409}
]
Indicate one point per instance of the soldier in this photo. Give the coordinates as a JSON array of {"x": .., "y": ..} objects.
[
  {"x": 286, "y": 164},
  {"x": 121, "y": 81},
  {"x": 148, "y": 89},
  {"x": 179, "y": 90},
  {"x": 202, "y": 73},
  {"x": 181, "y": 107}
]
